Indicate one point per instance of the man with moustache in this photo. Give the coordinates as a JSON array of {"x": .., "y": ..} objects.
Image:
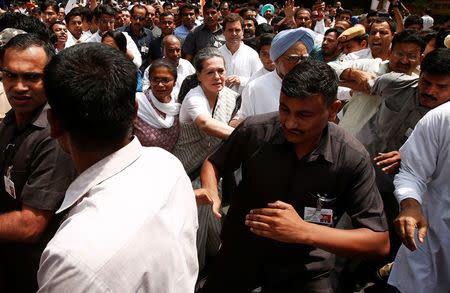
[
  {"x": 299, "y": 173},
  {"x": 407, "y": 47},
  {"x": 331, "y": 49},
  {"x": 188, "y": 16},
  {"x": 142, "y": 37},
  {"x": 250, "y": 25},
  {"x": 74, "y": 22}
]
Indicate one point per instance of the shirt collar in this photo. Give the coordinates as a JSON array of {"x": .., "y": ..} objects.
[
  {"x": 323, "y": 150},
  {"x": 38, "y": 119},
  {"x": 101, "y": 171}
]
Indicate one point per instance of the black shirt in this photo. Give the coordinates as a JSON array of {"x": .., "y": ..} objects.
[
  {"x": 41, "y": 172},
  {"x": 339, "y": 169}
]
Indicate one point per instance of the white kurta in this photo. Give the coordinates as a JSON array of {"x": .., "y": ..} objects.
[
  {"x": 131, "y": 228},
  {"x": 424, "y": 175},
  {"x": 243, "y": 63},
  {"x": 361, "y": 54},
  {"x": 261, "y": 95}
]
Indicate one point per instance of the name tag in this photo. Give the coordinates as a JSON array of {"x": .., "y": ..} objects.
[
  {"x": 319, "y": 216},
  {"x": 144, "y": 49},
  {"x": 9, "y": 184}
]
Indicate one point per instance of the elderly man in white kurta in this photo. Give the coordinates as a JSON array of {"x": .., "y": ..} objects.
[
  {"x": 241, "y": 61},
  {"x": 262, "y": 95}
]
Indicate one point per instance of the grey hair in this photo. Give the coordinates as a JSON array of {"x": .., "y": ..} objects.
[{"x": 205, "y": 54}]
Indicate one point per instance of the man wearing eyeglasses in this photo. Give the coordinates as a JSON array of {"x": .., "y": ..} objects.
[
  {"x": 104, "y": 17},
  {"x": 404, "y": 58},
  {"x": 35, "y": 171},
  {"x": 142, "y": 37},
  {"x": 261, "y": 95}
]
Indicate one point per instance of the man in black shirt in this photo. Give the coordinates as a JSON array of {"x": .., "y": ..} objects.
[
  {"x": 35, "y": 170},
  {"x": 300, "y": 173}
]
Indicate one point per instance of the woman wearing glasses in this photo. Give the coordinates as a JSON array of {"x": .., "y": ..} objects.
[{"x": 157, "y": 119}]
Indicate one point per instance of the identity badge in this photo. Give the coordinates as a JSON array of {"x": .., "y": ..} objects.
[
  {"x": 144, "y": 49},
  {"x": 319, "y": 216},
  {"x": 9, "y": 184}
]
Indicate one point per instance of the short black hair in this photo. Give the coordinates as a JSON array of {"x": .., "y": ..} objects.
[
  {"x": 413, "y": 19},
  {"x": 163, "y": 62},
  {"x": 138, "y": 6},
  {"x": 50, "y": 3},
  {"x": 311, "y": 77},
  {"x": 336, "y": 30},
  {"x": 263, "y": 28},
  {"x": 119, "y": 38},
  {"x": 390, "y": 21},
  {"x": 344, "y": 11},
  {"x": 104, "y": 9},
  {"x": 255, "y": 22},
  {"x": 167, "y": 3},
  {"x": 210, "y": 4},
  {"x": 24, "y": 41},
  {"x": 205, "y": 54},
  {"x": 87, "y": 14},
  {"x": 409, "y": 36},
  {"x": 77, "y": 11},
  {"x": 166, "y": 13},
  {"x": 437, "y": 62},
  {"x": 91, "y": 89},
  {"x": 30, "y": 24},
  {"x": 186, "y": 6},
  {"x": 264, "y": 40},
  {"x": 244, "y": 10}
]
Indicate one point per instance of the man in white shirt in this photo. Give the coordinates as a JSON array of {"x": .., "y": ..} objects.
[
  {"x": 172, "y": 51},
  {"x": 74, "y": 22},
  {"x": 422, "y": 188},
  {"x": 381, "y": 32},
  {"x": 132, "y": 217},
  {"x": 104, "y": 16},
  {"x": 241, "y": 61},
  {"x": 262, "y": 95}
]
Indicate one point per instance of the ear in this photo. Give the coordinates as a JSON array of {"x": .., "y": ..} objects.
[
  {"x": 333, "y": 110},
  {"x": 56, "y": 129},
  {"x": 364, "y": 43},
  {"x": 198, "y": 76}
]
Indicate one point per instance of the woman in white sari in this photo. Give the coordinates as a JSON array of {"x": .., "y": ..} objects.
[{"x": 157, "y": 121}]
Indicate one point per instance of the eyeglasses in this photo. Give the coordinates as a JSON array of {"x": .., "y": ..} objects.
[
  {"x": 412, "y": 57},
  {"x": 104, "y": 21},
  {"x": 163, "y": 81},
  {"x": 137, "y": 17},
  {"x": 294, "y": 58}
]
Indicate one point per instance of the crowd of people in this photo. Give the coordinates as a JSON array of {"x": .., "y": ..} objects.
[{"x": 223, "y": 147}]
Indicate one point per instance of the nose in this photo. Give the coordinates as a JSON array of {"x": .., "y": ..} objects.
[
  {"x": 20, "y": 86},
  {"x": 290, "y": 122}
]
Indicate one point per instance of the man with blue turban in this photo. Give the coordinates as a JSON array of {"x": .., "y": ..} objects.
[
  {"x": 268, "y": 11},
  {"x": 262, "y": 94}
]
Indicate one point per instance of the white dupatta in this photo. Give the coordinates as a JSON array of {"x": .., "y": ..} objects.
[{"x": 150, "y": 116}]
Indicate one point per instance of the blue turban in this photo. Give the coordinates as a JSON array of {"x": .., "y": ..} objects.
[
  {"x": 267, "y": 6},
  {"x": 285, "y": 39}
]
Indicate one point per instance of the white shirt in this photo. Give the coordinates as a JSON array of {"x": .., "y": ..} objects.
[
  {"x": 424, "y": 175},
  {"x": 261, "y": 95},
  {"x": 361, "y": 54},
  {"x": 243, "y": 63},
  {"x": 258, "y": 73},
  {"x": 184, "y": 69},
  {"x": 428, "y": 21},
  {"x": 72, "y": 41},
  {"x": 131, "y": 228},
  {"x": 131, "y": 46},
  {"x": 194, "y": 104}
]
